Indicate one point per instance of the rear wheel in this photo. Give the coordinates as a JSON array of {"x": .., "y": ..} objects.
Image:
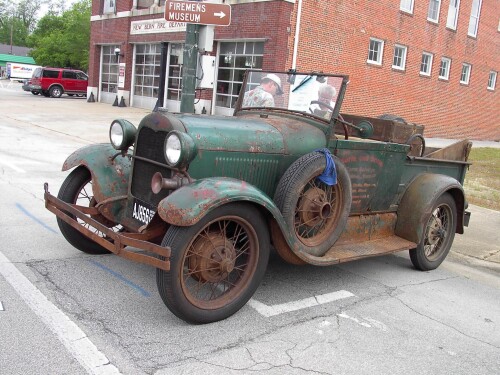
[
  {"x": 216, "y": 265},
  {"x": 437, "y": 236},
  {"x": 77, "y": 189},
  {"x": 35, "y": 92}
]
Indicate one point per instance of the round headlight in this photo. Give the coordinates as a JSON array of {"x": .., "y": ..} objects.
[
  {"x": 180, "y": 149},
  {"x": 122, "y": 134},
  {"x": 173, "y": 148},
  {"x": 116, "y": 135}
]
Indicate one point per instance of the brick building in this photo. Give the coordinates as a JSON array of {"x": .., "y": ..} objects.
[{"x": 433, "y": 62}]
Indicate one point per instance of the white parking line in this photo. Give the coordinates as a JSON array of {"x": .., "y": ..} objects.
[
  {"x": 12, "y": 166},
  {"x": 70, "y": 335},
  {"x": 273, "y": 310},
  {"x": 1, "y": 306}
]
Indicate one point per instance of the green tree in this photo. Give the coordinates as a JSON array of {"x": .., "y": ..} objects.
[
  {"x": 17, "y": 20},
  {"x": 63, "y": 40}
]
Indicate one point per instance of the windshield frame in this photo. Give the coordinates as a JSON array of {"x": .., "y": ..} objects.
[{"x": 344, "y": 79}]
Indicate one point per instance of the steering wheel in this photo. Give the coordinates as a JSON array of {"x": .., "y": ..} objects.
[
  {"x": 422, "y": 140},
  {"x": 323, "y": 104}
]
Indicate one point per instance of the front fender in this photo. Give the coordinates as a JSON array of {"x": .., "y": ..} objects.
[
  {"x": 187, "y": 205},
  {"x": 419, "y": 199},
  {"x": 109, "y": 176}
]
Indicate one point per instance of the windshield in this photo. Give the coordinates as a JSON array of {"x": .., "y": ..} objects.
[{"x": 316, "y": 94}]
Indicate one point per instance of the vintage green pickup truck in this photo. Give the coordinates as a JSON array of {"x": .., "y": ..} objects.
[{"x": 204, "y": 199}]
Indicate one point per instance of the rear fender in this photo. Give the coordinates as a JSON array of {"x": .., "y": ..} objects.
[
  {"x": 187, "y": 205},
  {"x": 419, "y": 199},
  {"x": 109, "y": 176}
]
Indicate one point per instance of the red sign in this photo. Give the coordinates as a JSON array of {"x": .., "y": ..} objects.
[{"x": 198, "y": 12}]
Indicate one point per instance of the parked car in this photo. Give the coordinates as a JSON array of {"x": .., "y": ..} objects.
[
  {"x": 26, "y": 85},
  {"x": 57, "y": 81},
  {"x": 204, "y": 197}
]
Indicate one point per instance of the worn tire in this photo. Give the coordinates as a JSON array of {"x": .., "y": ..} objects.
[
  {"x": 56, "y": 91},
  {"x": 209, "y": 257},
  {"x": 69, "y": 192},
  {"x": 437, "y": 236},
  {"x": 316, "y": 227}
]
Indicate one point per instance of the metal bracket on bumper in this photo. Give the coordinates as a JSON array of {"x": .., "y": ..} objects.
[{"x": 113, "y": 241}]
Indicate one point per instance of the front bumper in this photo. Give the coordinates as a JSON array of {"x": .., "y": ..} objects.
[{"x": 116, "y": 242}]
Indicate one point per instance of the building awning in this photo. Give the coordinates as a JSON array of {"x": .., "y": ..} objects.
[{"x": 5, "y": 58}]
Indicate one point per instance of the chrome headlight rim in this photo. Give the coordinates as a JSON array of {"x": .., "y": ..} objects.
[
  {"x": 122, "y": 134},
  {"x": 186, "y": 151}
]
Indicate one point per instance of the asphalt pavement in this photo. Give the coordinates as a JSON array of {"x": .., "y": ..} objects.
[{"x": 89, "y": 122}]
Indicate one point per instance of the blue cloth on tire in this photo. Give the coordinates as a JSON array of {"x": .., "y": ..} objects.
[{"x": 329, "y": 175}]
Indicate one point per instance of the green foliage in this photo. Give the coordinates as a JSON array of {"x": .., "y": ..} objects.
[
  {"x": 482, "y": 181},
  {"x": 63, "y": 40}
]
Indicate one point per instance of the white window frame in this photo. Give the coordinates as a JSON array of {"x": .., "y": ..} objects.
[
  {"x": 465, "y": 74},
  {"x": 492, "y": 80},
  {"x": 447, "y": 66},
  {"x": 402, "y": 66},
  {"x": 379, "y": 52},
  {"x": 406, "y": 6},
  {"x": 475, "y": 13},
  {"x": 429, "y": 64},
  {"x": 431, "y": 2},
  {"x": 453, "y": 11}
]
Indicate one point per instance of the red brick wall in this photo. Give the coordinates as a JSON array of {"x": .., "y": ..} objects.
[
  {"x": 268, "y": 20},
  {"x": 334, "y": 37}
]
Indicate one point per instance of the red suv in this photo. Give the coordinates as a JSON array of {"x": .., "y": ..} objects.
[{"x": 56, "y": 81}]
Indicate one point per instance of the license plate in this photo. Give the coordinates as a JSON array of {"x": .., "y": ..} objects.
[{"x": 142, "y": 212}]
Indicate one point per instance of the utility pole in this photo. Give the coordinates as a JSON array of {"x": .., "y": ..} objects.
[
  {"x": 190, "y": 62},
  {"x": 11, "y": 33}
]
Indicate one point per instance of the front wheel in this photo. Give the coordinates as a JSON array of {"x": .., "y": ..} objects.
[
  {"x": 56, "y": 91},
  {"x": 77, "y": 189},
  {"x": 437, "y": 236},
  {"x": 216, "y": 265}
]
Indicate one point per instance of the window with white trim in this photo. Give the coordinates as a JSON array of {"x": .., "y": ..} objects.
[
  {"x": 109, "y": 69},
  {"x": 492, "y": 80},
  {"x": 147, "y": 70},
  {"x": 406, "y": 6},
  {"x": 234, "y": 59},
  {"x": 474, "y": 17},
  {"x": 174, "y": 86},
  {"x": 465, "y": 76},
  {"x": 375, "y": 51},
  {"x": 426, "y": 64},
  {"x": 452, "y": 20},
  {"x": 399, "y": 59},
  {"x": 433, "y": 11},
  {"x": 444, "y": 68}
]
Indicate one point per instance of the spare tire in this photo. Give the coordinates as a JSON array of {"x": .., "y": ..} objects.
[{"x": 315, "y": 213}]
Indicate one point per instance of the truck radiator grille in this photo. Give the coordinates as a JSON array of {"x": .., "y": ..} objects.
[{"x": 149, "y": 145}]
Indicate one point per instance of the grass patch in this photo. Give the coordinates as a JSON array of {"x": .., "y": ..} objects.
[{"x": 482, "y": 180}]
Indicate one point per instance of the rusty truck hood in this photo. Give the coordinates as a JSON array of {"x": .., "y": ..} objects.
[{"x": 253, "y": 133}]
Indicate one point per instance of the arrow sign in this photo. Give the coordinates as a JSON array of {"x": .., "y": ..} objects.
[{"x": 196, "y": 12}]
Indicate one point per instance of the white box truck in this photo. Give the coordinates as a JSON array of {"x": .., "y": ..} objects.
[{"x": 20, "y": 72}]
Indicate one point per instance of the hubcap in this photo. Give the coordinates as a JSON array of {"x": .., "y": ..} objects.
[{"x": 213, "y": 258}]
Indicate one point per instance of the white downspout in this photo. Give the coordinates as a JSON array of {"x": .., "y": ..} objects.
[{"x": 297, "y": 31}]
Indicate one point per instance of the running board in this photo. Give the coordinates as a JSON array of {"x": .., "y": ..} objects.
[{"x": 347, "y": 252}]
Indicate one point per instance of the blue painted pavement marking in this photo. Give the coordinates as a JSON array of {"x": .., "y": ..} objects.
[
  {"x": 27, "y": 213},
  {"x": 145, "y": 293}
]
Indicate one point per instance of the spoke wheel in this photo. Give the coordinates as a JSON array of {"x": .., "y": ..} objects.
[
  {"x": 216, "y": 265},
  {"x": 77, "y": 189},
  {"x": 437, "y": 236},
  {"x": 315, "y": 212}
]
